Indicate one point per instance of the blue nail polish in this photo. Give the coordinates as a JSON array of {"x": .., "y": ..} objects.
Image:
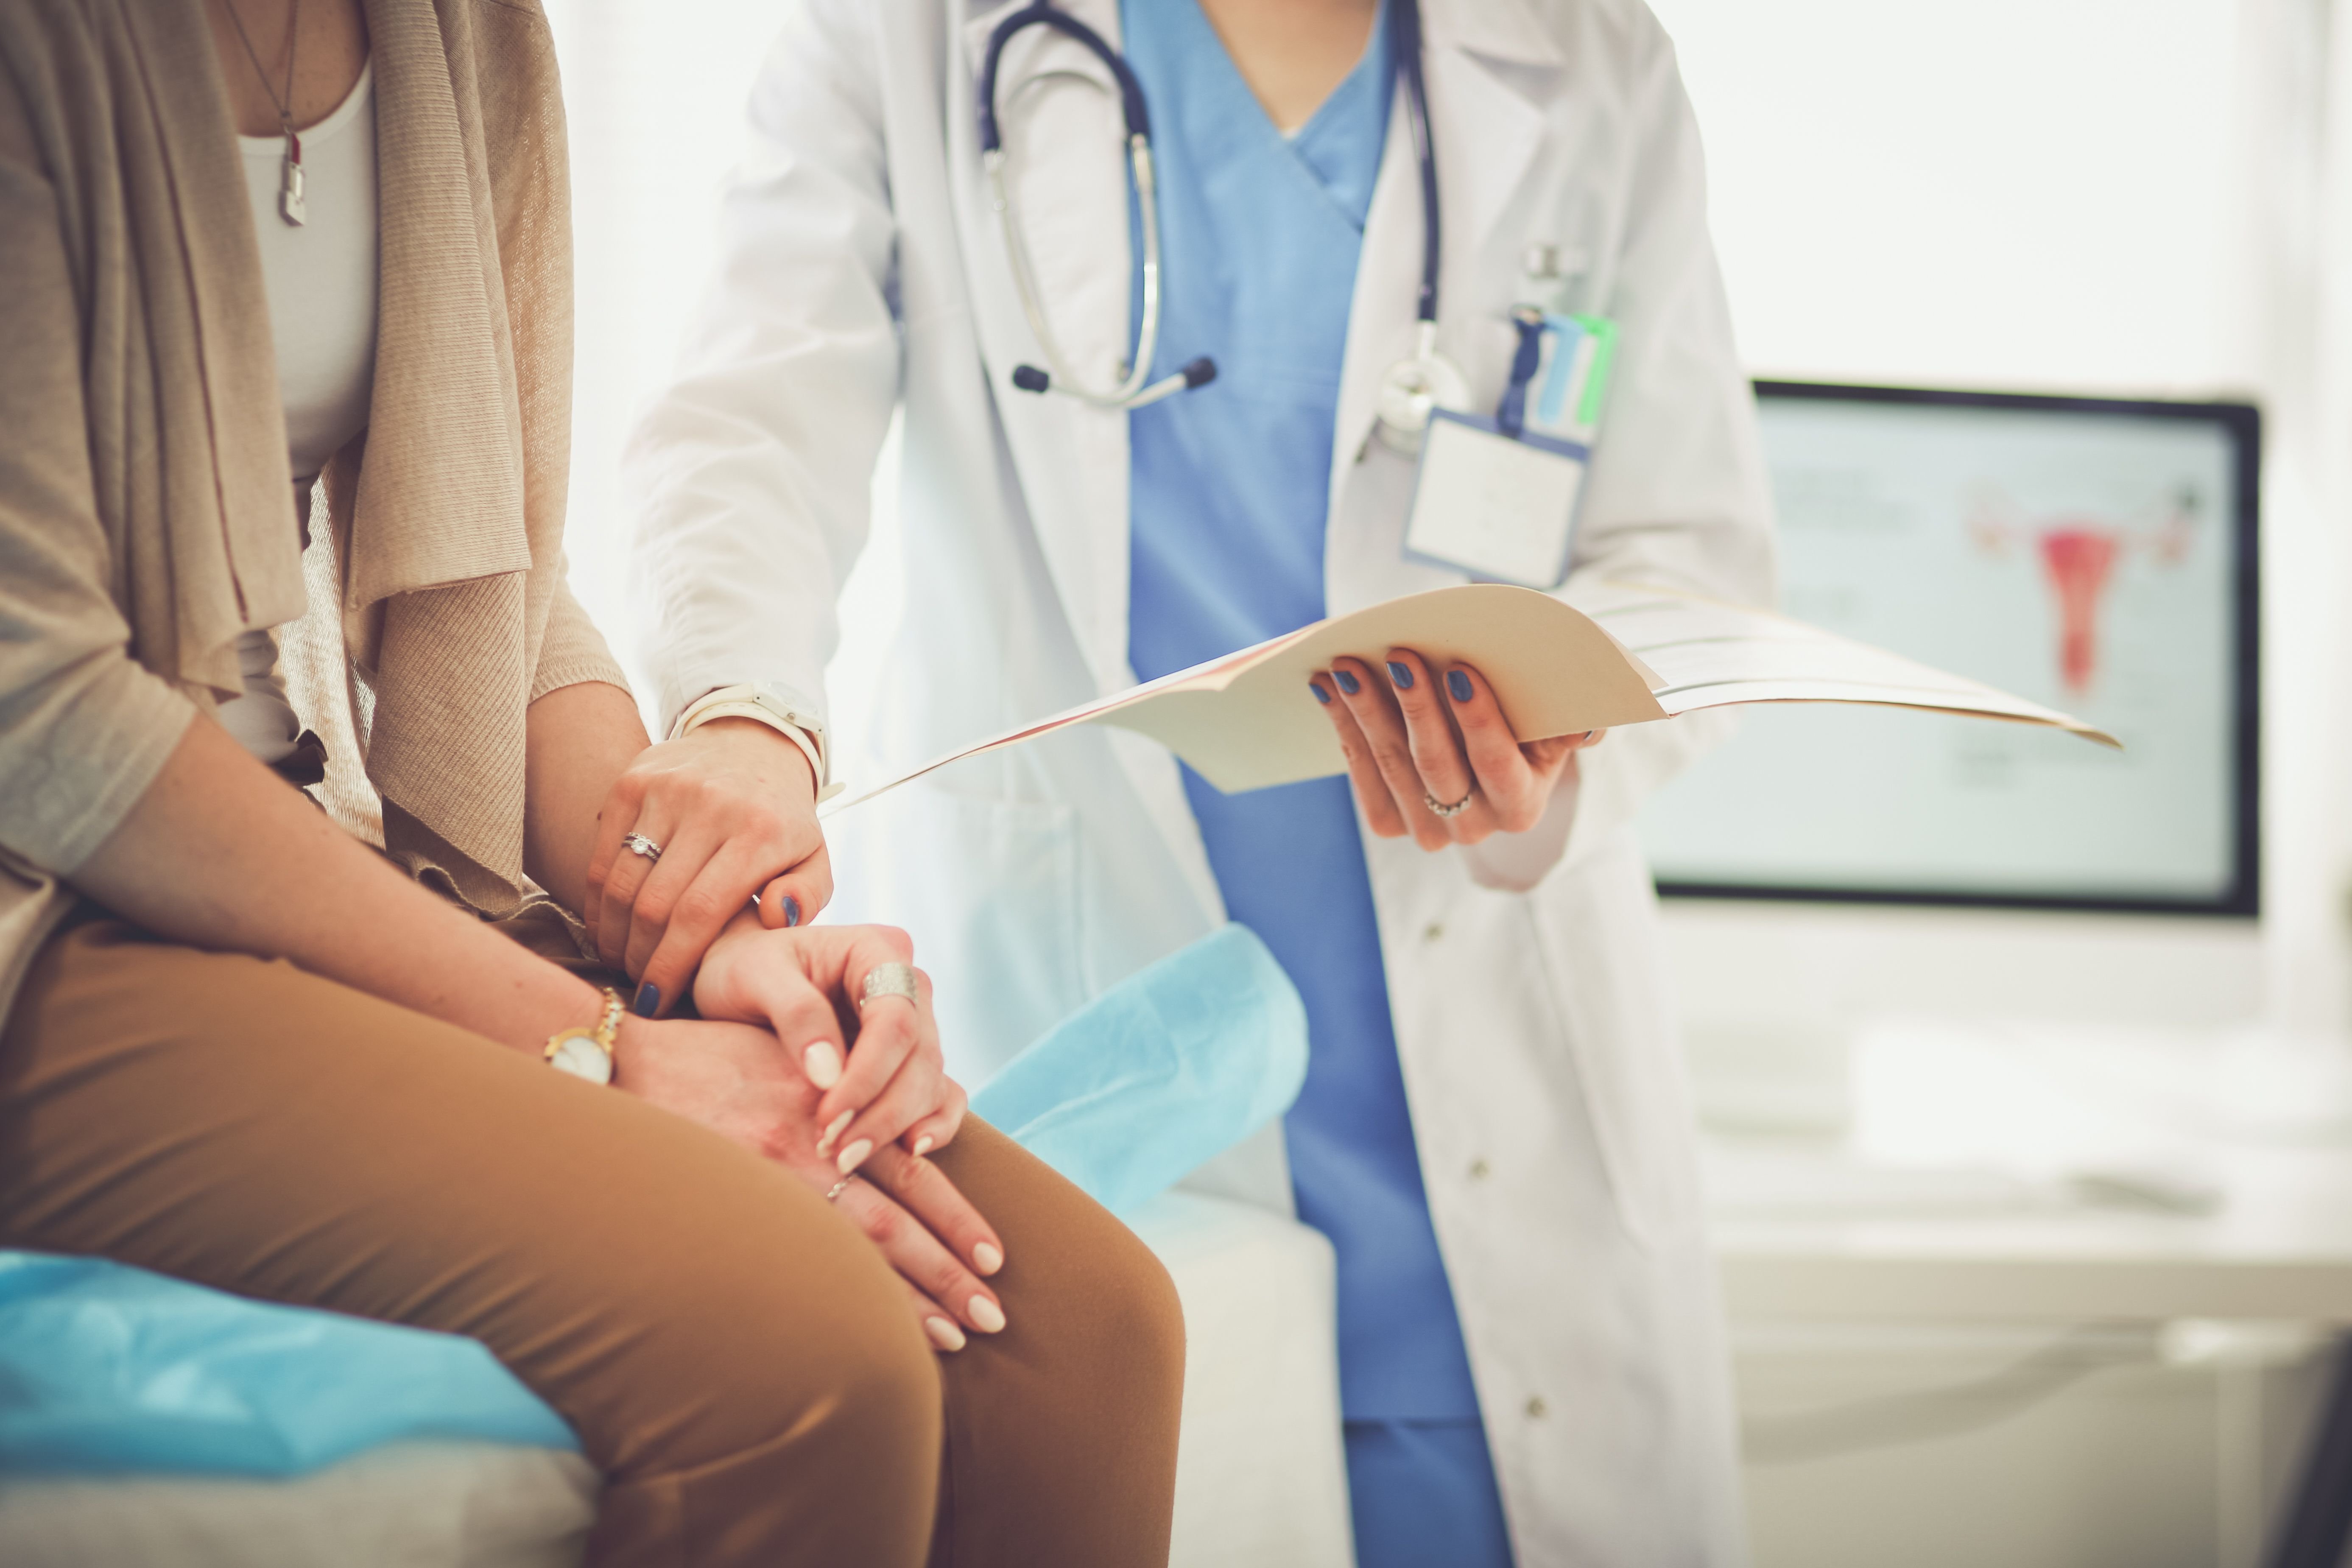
[
  {"x": 1348, "y": 683},
  {"x": 1459, "y": 684},
  {"x": 648, "y": 1002},
  {"x": 1402, "y": 675},
  {"x": 792, "y": 910},
  {"x": 1320, "y": 695}
]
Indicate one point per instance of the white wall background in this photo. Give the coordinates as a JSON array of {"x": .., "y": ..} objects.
[
  {"x": 2107, "y": 195},
  {"x": 655, "y": 97},
  {"x": 2006, "y": 193},
  {"x": 655, "y": 94}
]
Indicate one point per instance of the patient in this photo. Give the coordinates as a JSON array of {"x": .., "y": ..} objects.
[{"x": 797, "y": 1314}]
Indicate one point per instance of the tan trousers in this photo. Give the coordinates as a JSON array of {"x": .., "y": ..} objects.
[{"x": 738, "y": 1360}]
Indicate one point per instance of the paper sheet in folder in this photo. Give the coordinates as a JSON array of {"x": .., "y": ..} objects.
[{"x": 1617, "y": 654}]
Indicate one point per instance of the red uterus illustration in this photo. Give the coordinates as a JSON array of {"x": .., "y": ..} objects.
[
  {"x": 2079, "y": 553},
  {"x": 2078, "y": 558}
]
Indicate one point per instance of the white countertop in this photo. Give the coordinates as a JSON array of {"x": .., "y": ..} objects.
[{"x": 2069, "y": 1176}]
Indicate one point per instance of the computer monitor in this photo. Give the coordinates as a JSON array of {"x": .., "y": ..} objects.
[{"x": 2094, "y": 554}]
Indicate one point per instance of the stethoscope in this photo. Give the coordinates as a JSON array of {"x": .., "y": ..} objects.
[{"x": 1411, "y": 389}]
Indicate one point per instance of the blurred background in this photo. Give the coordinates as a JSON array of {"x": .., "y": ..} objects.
[{"x": 2036, "y": 1212}]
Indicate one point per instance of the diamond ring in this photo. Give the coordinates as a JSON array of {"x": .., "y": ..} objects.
[
  {"x": 638, "y": 844},
  {"x": 1456, "y": 809}
]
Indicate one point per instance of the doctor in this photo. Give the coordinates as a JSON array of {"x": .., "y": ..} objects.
[{"x": 980, "y": 214}]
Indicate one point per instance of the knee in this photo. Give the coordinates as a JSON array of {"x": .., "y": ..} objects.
[
  {"x": 1119, "y": 1330},
  {"x": 788, "y": 1415},
  {"x": 873, "y": 1407},
  {"x": 853, "y": 1374},
  {"x": 1150, "y": 1326},
  {"x": 803, "y": 1357}
]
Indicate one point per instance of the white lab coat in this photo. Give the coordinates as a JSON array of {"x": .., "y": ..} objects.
[{"x": 865, "y": 269}]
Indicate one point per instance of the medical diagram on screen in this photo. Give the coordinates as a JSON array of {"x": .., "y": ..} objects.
[{"x": 2079, "y": 559}]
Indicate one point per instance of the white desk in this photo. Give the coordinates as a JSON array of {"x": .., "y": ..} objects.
[
  {"x": 2070, "y": 1177},
  {"x": 2278, "y": 1246},
  {"x": 1990, "y": 1172}
]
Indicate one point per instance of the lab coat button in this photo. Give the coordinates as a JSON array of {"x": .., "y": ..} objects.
[
  {"x": 1480, "y": 1170},
  {"x": 1536, "y": 1408},
  {"x": 1433, "y": 931}
]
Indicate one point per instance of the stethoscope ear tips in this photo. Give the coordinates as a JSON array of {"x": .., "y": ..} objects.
[
  {"x": 1029, "y": 378},
  {"x": 1200, "y": 372}
]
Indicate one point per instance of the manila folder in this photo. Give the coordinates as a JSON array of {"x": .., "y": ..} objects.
[{"x": 1617, "y": 654}]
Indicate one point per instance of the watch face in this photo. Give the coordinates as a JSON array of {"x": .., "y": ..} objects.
[{"x": 581, "y": 1057}]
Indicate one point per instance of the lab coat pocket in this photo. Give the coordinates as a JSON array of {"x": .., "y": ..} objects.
[
  {"x": 990, "y": 888},
  {"x": 1597, "y": 928}
]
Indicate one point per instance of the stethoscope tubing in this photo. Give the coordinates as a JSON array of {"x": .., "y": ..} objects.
[
  {"x": 1132, "y": 391},
  {"x": 1404, "y": 25}
]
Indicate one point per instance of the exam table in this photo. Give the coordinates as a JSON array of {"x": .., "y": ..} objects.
[
  {"x": 1259, "y": 1477},
  {"x": 1260, "y": 1474}
]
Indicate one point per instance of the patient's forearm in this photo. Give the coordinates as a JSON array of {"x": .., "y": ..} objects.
[
  {"x": 220, "y": 853},
  {"x": 578, "y": 740}
]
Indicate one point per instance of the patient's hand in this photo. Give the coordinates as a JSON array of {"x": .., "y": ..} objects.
[
  {"x": 731, "y": 1078},
  {"x": 893, "y": 1085},
  {"x": 1416, "y": 735},
  {"x": 733, "y": 807}
]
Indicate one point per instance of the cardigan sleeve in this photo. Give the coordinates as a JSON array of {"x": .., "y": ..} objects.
[
  {"x": 573, "y": 650},
  {"x": 84, "y": 729}
]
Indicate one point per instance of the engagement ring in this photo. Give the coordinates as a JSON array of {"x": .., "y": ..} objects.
[{"x": 1456, "y": 809}]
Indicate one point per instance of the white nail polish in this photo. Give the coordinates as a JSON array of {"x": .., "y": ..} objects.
[
  {"x": 854, "y": 1156},
  {"x": 922, "y": 1145},
  {"x": 823, "y": 1064},
  {"x": 825, "y": 1144},
  {"x": 986, "y": 1258},
  {"x": 986, "y": 1315},
  {"x": 944, "y": 1334}
]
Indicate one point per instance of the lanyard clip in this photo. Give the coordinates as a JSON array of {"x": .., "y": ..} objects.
[{"x": 1511, "y": 414}]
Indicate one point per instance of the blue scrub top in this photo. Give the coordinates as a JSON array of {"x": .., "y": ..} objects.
[{"x": 1229, "y": 490}]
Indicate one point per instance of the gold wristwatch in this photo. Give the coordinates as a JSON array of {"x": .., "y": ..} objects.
[{"x": 588, "y": 1052}]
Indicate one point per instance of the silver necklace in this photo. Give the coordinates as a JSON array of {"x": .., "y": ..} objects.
[{"x": 289, "y": 186}]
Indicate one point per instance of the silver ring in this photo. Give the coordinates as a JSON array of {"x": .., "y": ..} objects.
[
  {"x": 1456, "y": 809},
  {"x": 638, "y": 844},
  {"x": 838, "y": 1188},
  {"x": 890, "y": 980}
]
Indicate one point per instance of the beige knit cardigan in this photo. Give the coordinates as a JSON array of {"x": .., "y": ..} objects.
[{"x": 147, "y": 514}]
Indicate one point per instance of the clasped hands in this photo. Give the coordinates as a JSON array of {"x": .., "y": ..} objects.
[
  {"x": 770, "y": 1002},
  {"x": 785, "y": 1062},
  {"x": 784, "y": 1059}
]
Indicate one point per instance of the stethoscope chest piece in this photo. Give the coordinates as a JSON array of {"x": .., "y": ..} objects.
[{"x": 1412, "y": 390}]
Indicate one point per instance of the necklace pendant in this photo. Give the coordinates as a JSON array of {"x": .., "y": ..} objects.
[{"x": 290, "y": 204}]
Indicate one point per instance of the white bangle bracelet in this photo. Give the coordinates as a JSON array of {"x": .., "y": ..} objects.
[{"x": 757, "y": 704}]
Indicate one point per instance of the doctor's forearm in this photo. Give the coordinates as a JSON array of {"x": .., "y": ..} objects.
[{"x": 656, "y": 847}]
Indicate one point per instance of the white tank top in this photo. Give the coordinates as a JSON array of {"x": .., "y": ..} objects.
[{"x": 321, "y": 282}]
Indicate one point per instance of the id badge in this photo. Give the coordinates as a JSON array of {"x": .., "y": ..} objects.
[
  {"x": 1497, "y": 497},
  {"x": 1496, "y": 508}
]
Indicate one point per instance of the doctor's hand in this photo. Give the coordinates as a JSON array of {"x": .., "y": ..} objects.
[
  {"x": 877, "y": 1063},
  {"x": 732, "y": 1078},
  {"x": 733, "y": 807},
  {"x": 1431, "y": 754}
]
